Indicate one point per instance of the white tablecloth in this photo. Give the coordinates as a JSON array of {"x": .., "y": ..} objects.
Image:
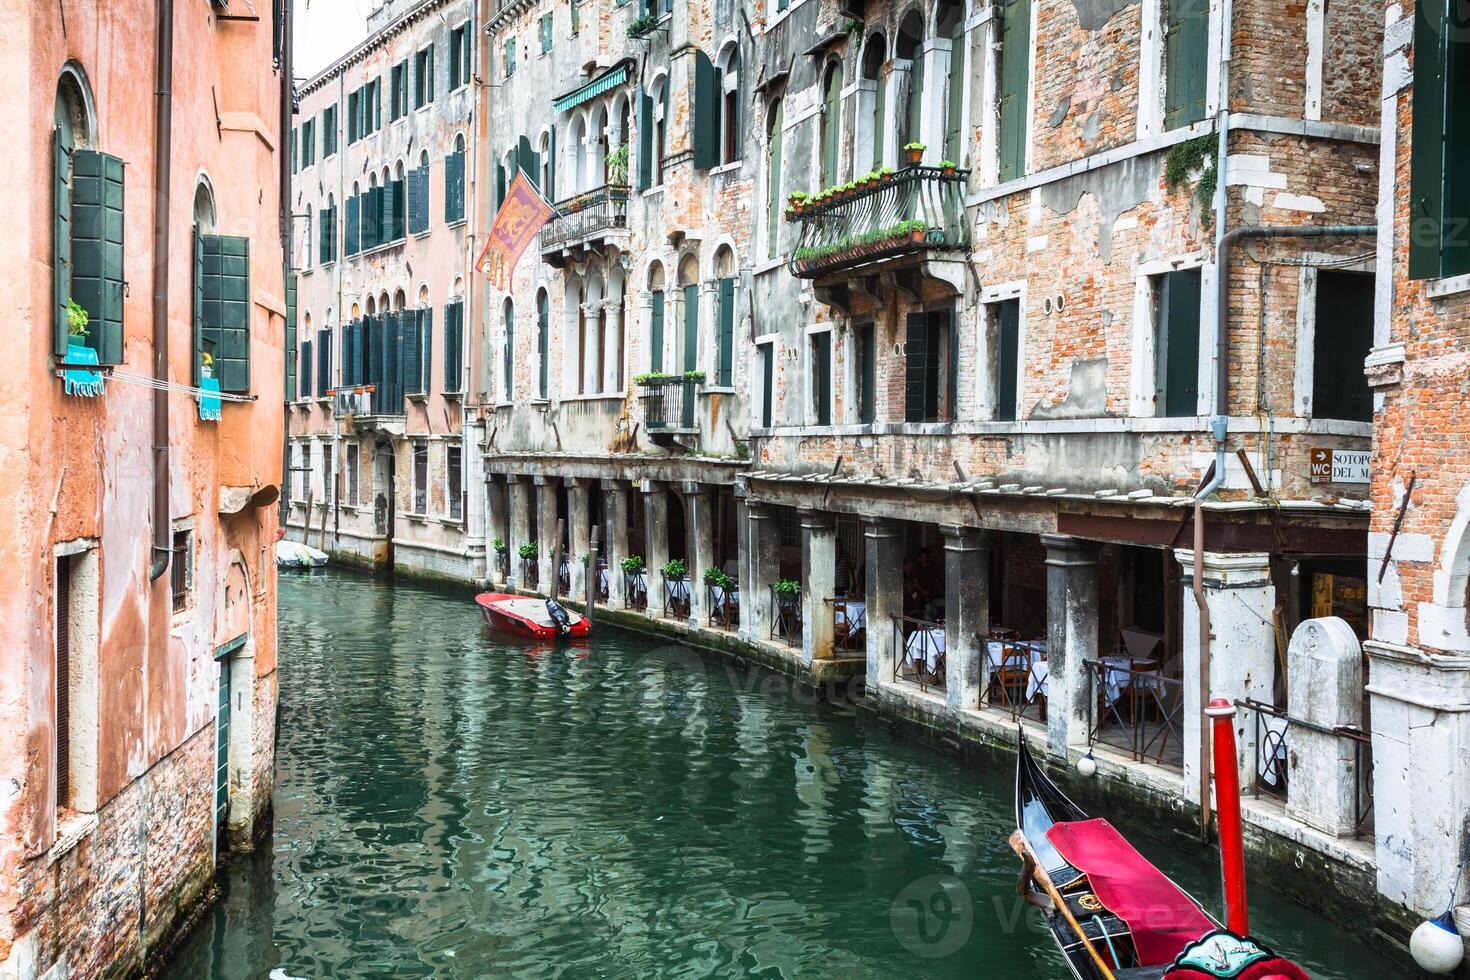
[
  {"x": 718, "y": 591},
  {"x": 1037, "y": 682},
  {"x": 640, "y": 583},
  {"x": 853, "y": 609},
  {"x": 995, "y": 650},
  {"x": 1117, "y": 679},
  {"x": 678, "y": 587},
  {"x": 917, "y": 645}
]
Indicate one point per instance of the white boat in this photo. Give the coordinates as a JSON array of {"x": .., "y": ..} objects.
[{"x": 292, "y": 554}]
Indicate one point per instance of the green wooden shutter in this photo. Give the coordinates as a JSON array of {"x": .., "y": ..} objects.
[
  {"x": 822, "y": 376},
  {"x": 921, "y": 370},
  {"x": 868, "y": 354},
  {"x": 944, "y": 321},
  {"x": 1007, "y": 360},
  {"x": 399, "y": 209},
  {"x": 290, "y": 329},
  {"x": 412, "y": 356},
  {"x": 1015, "y": 47},
  {"x": 454, "y": 187},
  {"x": 324, "y": 236},
  {"x": 1428, "y": 172},
  {"x": 222, "y": 748},
  {"x": 197, "y": 314},
  {"x": 323, "y": 363},
  {"x": 831, "y": 123},
  {"x": 705, "y": 112},
  {"x": 225, "y": 327},
  {"x": 691, "y": 327},
  {"x": 768, "y": 371},
  {"x": 1455, "y": 240},
  {"x": 725, "y": 367},
  {"x": 645, "y": 142},
  {"x": 499, "y": 185},
  {"x": 551, "y": 163},
  {"x": 1186, "y": 57},
  {"x": 528, "y": 162},
  {"x": 60, "y": 237},
  {"x": 354, "y": 207},
  {"x": 1178, "y": 343},
  {"x": 306, "y": 362},
  {"x": 543, "y": 341},
  {"x": 429, "y": 71},
  {"x": 97, "y": 249},
  {"x": 453, "y": 336},
  {"x": 656, "y": 331}
]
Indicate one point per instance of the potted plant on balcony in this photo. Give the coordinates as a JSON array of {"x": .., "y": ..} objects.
[
  {"x": 642, "y": 25},
  {"x": 676, "y": 587},
  {"x": 530, "y": 575},
  {"x": 914, "y": 152},
  {"x": 786, "y": 598},
  {"x": 694, "y": 377},
  {"x": 916, "y": 231},
  {"x": 617, "y": 166},
  {"x": 948, "y": 167}
]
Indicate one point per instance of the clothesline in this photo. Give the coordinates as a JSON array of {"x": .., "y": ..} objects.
[{"x": 147, "y": 381}]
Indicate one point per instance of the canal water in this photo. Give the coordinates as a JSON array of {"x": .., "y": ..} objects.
[{"x": 453, "y": 803}]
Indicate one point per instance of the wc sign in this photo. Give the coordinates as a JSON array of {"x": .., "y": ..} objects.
[{"x": 1341, "y": 466}]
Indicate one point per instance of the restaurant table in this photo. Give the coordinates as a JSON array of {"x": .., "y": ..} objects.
[
  {"x": 855, "y": 610},
  {"x": 931, "y": 648},
  {"x": 718, "y": 591},
  {"x": 1118, "y": 678}
]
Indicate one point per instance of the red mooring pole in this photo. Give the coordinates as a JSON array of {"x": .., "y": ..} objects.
[{"x": 1227, "y": 808}]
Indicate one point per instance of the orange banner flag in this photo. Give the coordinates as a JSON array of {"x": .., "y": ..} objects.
[{"x": 520, "y": 217}]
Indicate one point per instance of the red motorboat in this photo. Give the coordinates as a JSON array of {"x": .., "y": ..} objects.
[{"x": 543, "y": 619}]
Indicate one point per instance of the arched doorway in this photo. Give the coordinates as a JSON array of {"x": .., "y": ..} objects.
[{"x": 385, "y": 496}]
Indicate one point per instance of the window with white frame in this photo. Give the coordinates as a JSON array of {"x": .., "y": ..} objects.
[{"x": 351, "y": 475}]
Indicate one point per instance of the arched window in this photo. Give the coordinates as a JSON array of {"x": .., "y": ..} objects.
[
  {"x": 729, "y": 78},
  {"x": 656, "y": 317},
  {"x": 579, "y": 154},
  {"x": 724, "y": 316},
  {"x": 597, "y": 148},
  {"x": 619, "y": 171},
  {"x": 544, "y": 149},
  {"x": 831, "y": 122},
  {"x": 508, "y": 318},
  {"x": 775, "y": 122},
  {"x": 399, "y": 300},
  {"x": 950, "y": 24},
  {"x": 543, "y": 341},
  {"x": 689, "y": 336},
  {"x": 594, "y": 353},
  {"x": 875, "y": 102},
  {"x": 906, "y": 48}
]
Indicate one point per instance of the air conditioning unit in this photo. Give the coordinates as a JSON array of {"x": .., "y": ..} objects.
[{"x": 349, "y": 401}]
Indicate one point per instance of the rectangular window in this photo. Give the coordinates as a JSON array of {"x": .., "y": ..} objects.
[
  {"x": 453, "y": 481},
  {"x": 423, "y": 77},
  {"x": 398, "y": 91},
  {"x": 1343, "y": 337},
  {"x": 1186, "y": 56},
  {"x": 1176, "y": 343},
  {"x": 866, "y": 371},
  {"x": 329, "y": 131},
  {"x": 821, "y": 377},
  {"x": 77, "y": 588},
  {"x": 421, "y": 478},
  {"x": 454, "y": 187},
  {"x": 453, "y": 345},
  {"x": 577, "y": 17},
  {"x": 222, "y": 307},
  {"x": 767, "y": 355},
  {"x": 181, "y": 570},
  {"x": 459, "y": 56},
  {"x": 308, "y": 143},
  {"x": 725, "y": 353},
  {"x": 350, "y": 476},
  {"x": 510, "y": 57},
  {"x": 546, "y": 31},
  {"x": 1011, "y": 99},
  {"x": 1005, "y": 342},
  {"x": 1439, "y": 230},
  {"x": 306, "y": 364},
  {"x": 93, "y": 261},
  {"x": 354, "y": 100},
  {"x": 930, "y": 354}
]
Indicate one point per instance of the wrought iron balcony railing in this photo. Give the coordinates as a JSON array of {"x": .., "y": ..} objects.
[
  {"x": 583, "y": 216},
  {"x": 915, "y": 210},
  {"x": 668, "y": 403}
]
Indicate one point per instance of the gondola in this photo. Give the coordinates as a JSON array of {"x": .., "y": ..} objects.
[{"x": 1113, "y": 915}]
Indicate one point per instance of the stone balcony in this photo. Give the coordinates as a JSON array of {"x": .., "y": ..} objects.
[{"x": 585, "y": 222}]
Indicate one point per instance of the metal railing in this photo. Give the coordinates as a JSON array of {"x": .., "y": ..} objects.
[
  {"x": 669, "y": 403},
  {"x": 676, "y": 597},
  {"x": 502, "y": 565},
  {"x": 564, "y": 578},
  {"x": 602, "y": 580},
  {"x": 921, "y": 652},
  {"x": 530, "y": 574},
  {"x": 849, "y": 624},
  {"x": 635, "y": 590},
  {"x": 1271, "y": 770},
  {"x": 914, "y": 210},
  {"x": 785, "y": 617},
  {"x": 583, "y": 215},
  {"x": 724, "y": 604},
  {"x": 1138, "y": 711},
  {"x": 1011, "y": 682}
]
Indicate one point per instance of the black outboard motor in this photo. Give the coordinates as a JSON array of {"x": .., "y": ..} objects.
[{"x": 559, "y": 617}]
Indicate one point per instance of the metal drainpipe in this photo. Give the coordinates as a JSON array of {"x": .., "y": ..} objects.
[{"x": 162, "y": 167}]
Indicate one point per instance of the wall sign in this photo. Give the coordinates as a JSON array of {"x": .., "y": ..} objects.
[{"x": 1341, "y": 466}]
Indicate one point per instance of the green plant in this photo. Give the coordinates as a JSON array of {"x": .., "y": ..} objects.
[
  {"x": 586, "y": 558},
  {"x": 695, "y": 376},
  {"x": 633, "y": 564},
  {"x": 617, "y": 165},
  {"x": 787, "y": 588},
  {"x": 499, "y": 546},
  {"x": 947, "y": 165},
  {"x": 527, "y": 551},
  {"x": 642, "y": 25},
  {"x": 653, "y": 378},
  {"x": 76, "y": 319},
  {"x": 675, "y": 569},
  {"x": 717, "y": 576},
  {"x": 1195, "y": 156},
  {"x": 915, "y": 147}
]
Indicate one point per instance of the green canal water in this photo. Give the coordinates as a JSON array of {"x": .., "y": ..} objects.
[{"x": 450, "y": 803}]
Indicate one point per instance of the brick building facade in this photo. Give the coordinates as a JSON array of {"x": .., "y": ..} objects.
[{"x": 138, "y": 673}]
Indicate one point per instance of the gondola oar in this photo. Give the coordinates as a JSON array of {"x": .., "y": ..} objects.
[{"x": 1022, "y": 847}]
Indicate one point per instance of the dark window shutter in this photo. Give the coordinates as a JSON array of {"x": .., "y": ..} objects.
[
  {"x": 1186, "y": 55},
  {"x": 97, "y": 249},
  {"x": 944, "y": 321},
  {"x": 543, "y": 342},
  {"x": 198, "y": 309},
  {"x": 656, "y": 331},
  {"x": 1178, "y": 343},
  {"x": 60, "y": 236},
  {"x": 1015, "y": 49},
  {"x": 354, "y": 208},
  {"x": 431, "y": 73},
  {"x": 508, "y": 365},
  {"x": 306, "y": 366},
  {"x": 324, "y": 236},
  {"x": 1455, "y": 227},
  {"x": 290, "y": 326},
  {"x": 868, "y": 353},
  {"x": 822, "y": 376},
  {"x": 691, "y": 327},
  {"x": 551, "y": 163},
  {"x": 705, "y": 113},
  {"x": 453, "y": 321},
  {"x": 426, "y": 348},
  {"x": 725, "y": 369},
  {"x": 1007, "y": 360},
  {"x": 225, "y": 326},
  {"x": 645, "y": 142},
  {"x": 768, "y": 372},
  {"x": 920, "y": 366},
  {"x": 412, "y": 357},
  {"x": 323, "y": 363},
  {"x": 454, "y": 187},
  {"x": 1427, "y": 140},
  {"x": 1344, "y": 337},
  {"x": 499, "y": 185},
  {"x": 529, "y": 162}
]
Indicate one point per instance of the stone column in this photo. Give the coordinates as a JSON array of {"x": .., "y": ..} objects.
[
  {"x": 884, "y": 540},
  {"x": 818, "y": 582},
  {"x": 762, "y": 546},
  {"x": 742, "y": 559},
  {"x": 1242, "y": 663},
  {"x": 546, "y": 531},
  {"x": 699, "y": 523},
  {"x": 520, "y": 489},
  {"x": 1325, "y": 687},
  {"x": 932, "y": 109},
  {"x": 579, "y": 534},
  {"x": 615, "y": 536},
  {"x": 656, "y": 543},
  {"x": 612, "y": 329},
  {"x": 966, "y": 615},
  {"x": 1071, "y": 632}
]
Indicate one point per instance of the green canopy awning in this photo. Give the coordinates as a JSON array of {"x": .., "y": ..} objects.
[{"x": 613, "y": 77}]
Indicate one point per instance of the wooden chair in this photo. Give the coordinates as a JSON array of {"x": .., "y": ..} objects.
[{"x": 1009, "y": 680}]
